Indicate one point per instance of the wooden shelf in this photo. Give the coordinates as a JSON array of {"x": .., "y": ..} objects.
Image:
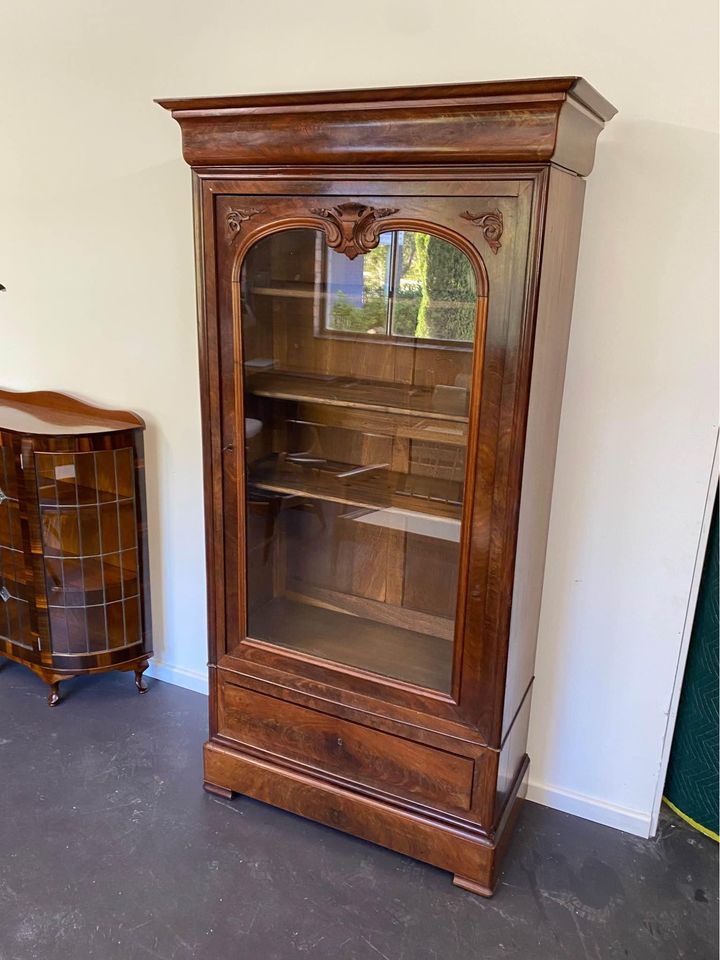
[
  {"x": 92, "y": 584},
  {"x": 398, "y": 398},
  {"x": 428, "y": 430},
  {"x": 375, "y": 490},
  {"x": 87, "y": 587},
  {"x": 356, "y": 642},
  {"x": 299, "y": 290},
  {"x": 305, "y": 292},
  {"x": 72, "y": 494}
]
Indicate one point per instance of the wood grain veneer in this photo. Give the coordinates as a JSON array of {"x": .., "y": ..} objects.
[
  {"x": 74, "y": 572},
  {"x": 367, "y": 671},
  {"x": 521, "y": 121}
]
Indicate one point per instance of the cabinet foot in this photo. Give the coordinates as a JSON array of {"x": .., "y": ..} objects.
[
  {"x": 218, "y": 791},
  {"x": 54, "y": 695},
  {"x": 139, "y": 682},
  {"x": 473, "y": 886}
]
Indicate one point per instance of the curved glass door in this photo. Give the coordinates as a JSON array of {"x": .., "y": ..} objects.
[
  {"x": 15, "y": 578},
  {"x": 88, "y": 521},
  {"x": 357, "y": 380}
]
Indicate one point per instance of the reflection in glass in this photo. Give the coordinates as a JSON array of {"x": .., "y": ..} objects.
[
  {"x": 88, "y": 524},
  {"x": 410, "y": 285},
  {"x": 15, "y": 582},
  {"x": 357, "y": 381}
]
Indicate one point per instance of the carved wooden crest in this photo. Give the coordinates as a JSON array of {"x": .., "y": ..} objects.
[
  {"x": 491, "y": 225},
  {"x": 235, "y": 218},
  {"x": 353, "y": 228}
]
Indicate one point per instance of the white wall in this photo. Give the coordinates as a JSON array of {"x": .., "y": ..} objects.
[{"x": 96, "y": 254}]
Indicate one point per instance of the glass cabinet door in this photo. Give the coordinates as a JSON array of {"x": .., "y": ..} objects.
[
  {"x": 15, "y": 577},
  {"x": 89, "y": 533},
  {"x": 357, "y": 383}
]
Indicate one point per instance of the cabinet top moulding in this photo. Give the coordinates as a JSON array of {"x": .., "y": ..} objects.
[
  {"x": 43, "y": 413},
  {"x": 555, "y": 119}
]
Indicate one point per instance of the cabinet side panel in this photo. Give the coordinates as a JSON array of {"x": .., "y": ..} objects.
[
  {"x": 210, "y": 401},
  {"x": 555, "y": 299},
  {"x": 512, "y": 762}
]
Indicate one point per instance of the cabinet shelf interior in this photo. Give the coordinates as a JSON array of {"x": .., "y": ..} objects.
[
  {"x": 356, "y": 378},
  {"x": 68, "y": 493},
  {"x": 377, "y": 488},
  {"x": 380, "y": 648},
  {"x": 443, "y": 402}
]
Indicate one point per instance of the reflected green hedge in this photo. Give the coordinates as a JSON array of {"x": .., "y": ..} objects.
[
  {"x": 436, "y": 299},
  {"x": 448, "y": 307}
]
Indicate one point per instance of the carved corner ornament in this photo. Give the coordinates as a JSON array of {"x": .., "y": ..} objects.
[
  {"x": 491, "y": 225},
  {"x": 235, "y": 218},
  {"x": 353, "y": 228}
]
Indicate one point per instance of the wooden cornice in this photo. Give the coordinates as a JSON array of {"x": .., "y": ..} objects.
[{"x": 515, "y": 121}]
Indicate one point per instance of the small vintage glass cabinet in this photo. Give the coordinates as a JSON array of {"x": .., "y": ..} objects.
[
  {"x": 386, "y": 283},
  {"x": 73, "y": 544}
]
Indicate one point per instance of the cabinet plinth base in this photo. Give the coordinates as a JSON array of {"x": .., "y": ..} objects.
[
  {"x": 472, "y": 887},
  {"x": 471, "y": 856}
]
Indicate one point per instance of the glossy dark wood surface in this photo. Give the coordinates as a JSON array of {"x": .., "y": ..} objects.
[
  {"x": 350, "y": 750},
  {"x": 516, "y": 121},
  {"x": 74, "y": 574},
  {"x": 295, "y": 721},
  {"x": 445, "y": 215},
  {"x": 558, "y": 267},
  {"x": 55, "y": 414},
  {"x": 502, "y": 91}
]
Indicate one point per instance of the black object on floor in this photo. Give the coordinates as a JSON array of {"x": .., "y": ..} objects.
[{"x": 110, "y": 850}]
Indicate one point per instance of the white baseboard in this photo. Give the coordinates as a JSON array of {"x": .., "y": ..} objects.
[
  {"x": 591, "y": 808},
  {"x": 179, "y": 676}
]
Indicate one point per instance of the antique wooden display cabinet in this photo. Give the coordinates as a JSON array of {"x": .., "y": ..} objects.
[
  {"x": 385, "y": 289},
  {"x": 74, "y": 594}
]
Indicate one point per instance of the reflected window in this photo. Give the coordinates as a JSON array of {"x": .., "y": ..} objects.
[{"x": 412, "y": 285}]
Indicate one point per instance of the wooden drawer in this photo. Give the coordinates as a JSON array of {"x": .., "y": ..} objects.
[{"x": 397, "y": 766}]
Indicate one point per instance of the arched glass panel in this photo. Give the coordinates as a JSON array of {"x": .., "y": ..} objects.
[
  {"x": 411, "y": 285},
  {"x": 357, "y": 377}
]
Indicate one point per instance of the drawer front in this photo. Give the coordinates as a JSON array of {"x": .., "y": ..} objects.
[{"x": 367, "y": 757}]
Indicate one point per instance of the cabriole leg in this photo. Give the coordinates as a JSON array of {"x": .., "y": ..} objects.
[
  {"x": 54, "y": 695},
  {"x": 139, "y": 671}
]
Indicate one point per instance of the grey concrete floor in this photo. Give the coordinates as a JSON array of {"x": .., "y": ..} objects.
[{"x": 109, "y": 848}]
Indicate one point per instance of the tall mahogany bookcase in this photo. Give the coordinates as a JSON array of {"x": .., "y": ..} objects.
[{"x": 385, "y": 285}]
